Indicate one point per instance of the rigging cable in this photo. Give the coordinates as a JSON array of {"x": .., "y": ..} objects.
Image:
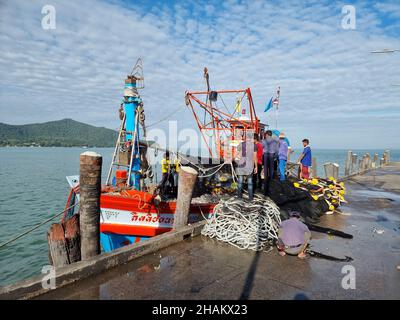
[{"x": 37, "y": 226}]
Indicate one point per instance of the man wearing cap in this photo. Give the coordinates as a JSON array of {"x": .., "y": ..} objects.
[
  {"x": 282, "y": 156},
  {"x": 293, "y": 236}
]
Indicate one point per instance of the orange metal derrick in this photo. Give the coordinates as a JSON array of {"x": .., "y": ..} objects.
[{"x": 225, "y": 126}]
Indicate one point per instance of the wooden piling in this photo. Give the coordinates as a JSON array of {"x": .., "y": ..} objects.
[
  {"x": 386, "y": 157},
  {"x": 186, "y": 182},
  {"x": 348, "y": 163},
  {"x": 314, "y": 169},
  {"x": 331, "y": 170},
  {"x": 58, "y": 254},
  {"x": 354, "y": 163},
  {"x": 363, "y": 163},
  {"x": 90, "y": 187},
  {"x": 375, "y": 160},
  {"x": 72, "y": 238}
]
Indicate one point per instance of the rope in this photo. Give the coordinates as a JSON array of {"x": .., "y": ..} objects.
[
  {"x": 165, "y": 118},
  {"x": 201, "y": 169},
  {"x": 320, "y": 255},
  {"x": 137, "y": 197},
  {"x": 37, "y": 226},
  {"x": 219, "y": 167},
  {"x": 244, "y": 224}
]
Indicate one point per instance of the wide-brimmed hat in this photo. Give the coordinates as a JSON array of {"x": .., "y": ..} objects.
[{"x": 282, "y": 135}]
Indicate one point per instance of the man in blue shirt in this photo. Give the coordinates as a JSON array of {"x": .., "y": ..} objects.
[{"x": 305, "y": 160}]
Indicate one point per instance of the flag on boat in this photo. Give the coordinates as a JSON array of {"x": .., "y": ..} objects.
[
  {"x": 276, "y": 100},
  {"x": 268, "y": 106}
]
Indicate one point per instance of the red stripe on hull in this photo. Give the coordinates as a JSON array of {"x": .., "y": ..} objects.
[
  {"x": 132, "y": 230},
  {"x": 143, "y": 202}
]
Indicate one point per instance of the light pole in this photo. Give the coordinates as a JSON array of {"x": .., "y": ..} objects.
[
  {"x": 385, "y": 51},
  {"x": 388, "y": 51}
]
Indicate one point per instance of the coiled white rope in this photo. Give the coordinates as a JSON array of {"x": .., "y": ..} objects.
[{"x": 244, "y": 224}]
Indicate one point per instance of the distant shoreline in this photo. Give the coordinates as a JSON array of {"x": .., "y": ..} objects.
[{"x": 300, "y": 148}]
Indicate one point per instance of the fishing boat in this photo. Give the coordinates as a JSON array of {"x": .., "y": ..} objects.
[{"x": 132, "y": 206}]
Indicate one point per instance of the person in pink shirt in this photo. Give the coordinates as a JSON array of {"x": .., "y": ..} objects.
[{"x": 257, "y": 176}]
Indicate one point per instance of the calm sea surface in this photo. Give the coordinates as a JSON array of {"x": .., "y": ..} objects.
[{"x": 33, "y": 188}]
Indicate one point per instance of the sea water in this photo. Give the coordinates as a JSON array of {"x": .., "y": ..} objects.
[{"x": 33, "y": 188}]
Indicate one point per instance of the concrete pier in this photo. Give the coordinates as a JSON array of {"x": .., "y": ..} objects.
[{"x": 201, "y": 268}]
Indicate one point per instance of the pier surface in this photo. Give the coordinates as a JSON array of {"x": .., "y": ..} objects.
[{"x": 201, "y": 268}]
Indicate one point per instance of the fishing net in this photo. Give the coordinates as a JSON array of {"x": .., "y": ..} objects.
[{"x": 244, "y": 224}]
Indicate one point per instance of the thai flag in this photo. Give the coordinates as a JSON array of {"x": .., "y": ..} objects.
[{"x": 275, "y": 102}]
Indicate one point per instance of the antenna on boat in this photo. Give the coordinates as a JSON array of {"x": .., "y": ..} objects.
[
  {"x": 127, "y": 152},
  {"x": 137, "y": 73}
]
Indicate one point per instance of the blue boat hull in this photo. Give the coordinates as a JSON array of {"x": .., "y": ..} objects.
[{"x": 112, "y": 241}]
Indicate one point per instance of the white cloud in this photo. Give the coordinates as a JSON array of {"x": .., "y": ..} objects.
[{"x": 328, "y": 77}]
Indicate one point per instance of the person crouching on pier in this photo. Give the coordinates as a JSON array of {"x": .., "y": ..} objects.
[
  {"x": 282, "y": 155},
  {"x": 293, "y": 236}
]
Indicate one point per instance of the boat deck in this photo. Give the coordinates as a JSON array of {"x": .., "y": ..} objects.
[{"x": 201, "y": 268}]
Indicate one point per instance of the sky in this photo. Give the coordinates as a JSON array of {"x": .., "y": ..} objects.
[{"x": 334, "y": 91}]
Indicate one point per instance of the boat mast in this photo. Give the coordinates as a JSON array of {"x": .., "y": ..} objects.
[
  {"x": 132, "y": 101},
  {"x": 127, "y": 147}
]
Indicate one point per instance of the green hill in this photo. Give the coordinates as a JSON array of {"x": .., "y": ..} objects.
[{"x": 62, "y": 133}]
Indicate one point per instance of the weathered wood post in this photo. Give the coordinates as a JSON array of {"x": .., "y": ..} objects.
[
  {"x": 354, "y": 163},
  {"x": 314, "y": 172},
  {"x": 90, "y": 187},
  {"x": 364, "y": 163},
  {"x": 367, "y": 161},
  {"x": 331, "y": 170},
  {"x": 375, "y": 160},
  {"x": 186, "y": 182},
  {"x": 58, "y": 254},
  {"x": 386, "y": 156},
  {"x": 72, "y": 238},
  {"x": 348, "y": 163}
]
